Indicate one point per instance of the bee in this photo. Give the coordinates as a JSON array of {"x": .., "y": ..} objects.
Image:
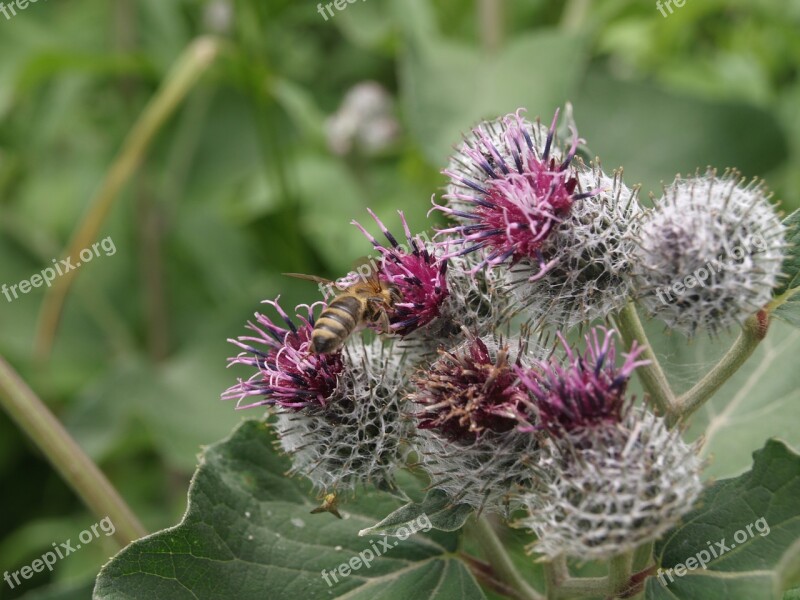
[
  {"x": 330, "y": 504},
  {"x": 362, "y": 303}
]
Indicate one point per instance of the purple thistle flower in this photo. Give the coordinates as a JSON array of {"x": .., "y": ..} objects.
[
  {"x": 587, "y": 390},
  {"x": 466, "y": 392},
  {"x": 508, "y": 199},
  {"x": 288, "y": 374},
  {"x": 417, "y": 275}
]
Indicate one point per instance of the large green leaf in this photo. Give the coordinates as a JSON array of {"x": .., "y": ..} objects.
[
  {"x": 755, "y": 563},
  {"x": 248, "y": 534},
  {"x": 436, "y": 507},
  {"x": 760, "y": 401}
]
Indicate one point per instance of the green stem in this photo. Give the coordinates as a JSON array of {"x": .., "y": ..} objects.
[
  {"x": 561, "y": 586},
  {"x": 72, "y": 463},
  {"x": 642, "y": 557},
  {"x": 652, "y": 375},
  {"x": 187, "y": 71},
  {"x": 789, "y": 567},
  {"x": 552, "y": 579},
  {"x": 496, "y": 555},
  {"x": 582, "y": 587},
  {"x": 620, "y": 569},
  {"x": 556, "y": 574},
  {"x": 753, "y": 332}
]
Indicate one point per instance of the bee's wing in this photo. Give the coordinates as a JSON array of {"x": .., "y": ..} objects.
[
  {"x": 371, "y": 276},
  {"x": 313, "y": 278}
]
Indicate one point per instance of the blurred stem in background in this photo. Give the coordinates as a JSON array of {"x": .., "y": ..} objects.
[
  {"x": 71, "y": 462},
  {"x": 100, "y": 309},
  {"x": 149, "y": 214},
  {"x": 189, "y": 67},
  {"x": 574, "y": 15},
  {"x": 491, "y": 23}
]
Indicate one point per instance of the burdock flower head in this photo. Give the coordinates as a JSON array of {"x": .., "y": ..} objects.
[
  {"x": 585, "y": 390},
  {"x": 482, "y": 301},
  {"x": 471, "y": 414},
  {"x": 710, "y": 253},
  {"x": 417, "y": 275},
  {"x": 612, "y": 488},
  {"x": 508, "y": 191},
  {"x": 360, "y": 436},
  {"x": 592, "y": 252},
  {"x": 468, "y": 391},
  {"x": 288, "y": 374},
  {"x": 617, "y": 477}
]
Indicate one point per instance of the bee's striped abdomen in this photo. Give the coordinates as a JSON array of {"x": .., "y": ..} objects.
[{"x": 335, "y": 323}]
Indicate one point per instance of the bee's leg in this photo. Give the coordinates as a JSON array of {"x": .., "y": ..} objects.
[{"x": 386, "y": 327}]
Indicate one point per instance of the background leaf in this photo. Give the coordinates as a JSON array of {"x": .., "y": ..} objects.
[
  {"x": 654, "y": 135},
  {"x": 449, "y": 87},
  {"x": 242, "y": 186},
  {"x": 789, "y": 310}
]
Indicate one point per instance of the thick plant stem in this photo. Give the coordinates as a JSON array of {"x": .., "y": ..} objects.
[
  {"x": 642, "y": 556},
  {"x": 552, "y": 579},
  {"x": 561, "y": 586},
  {"x": 652, "y": 375},
  {"x": 620, "y": 569},
  {"x": 753, "y": 332},
  {"x": 186, "y": 72},
  {"x": 582, "y": 587},
  {"x": 72, "y": 463},
  {"x": 496, "y": 555}
]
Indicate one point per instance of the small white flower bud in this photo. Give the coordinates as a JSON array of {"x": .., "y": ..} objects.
[
  {"x": 710, "y": 253},
  {"x": 613, "y": 489}
]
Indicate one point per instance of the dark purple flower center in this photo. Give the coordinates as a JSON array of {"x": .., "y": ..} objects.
[
  {"x": 288, "y": 374},
  {"x": 466, "y": 392},
  {"x": 583, "y": 390}
]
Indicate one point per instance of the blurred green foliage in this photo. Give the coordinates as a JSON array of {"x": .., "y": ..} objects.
[{"x": 242, "y": 186}]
